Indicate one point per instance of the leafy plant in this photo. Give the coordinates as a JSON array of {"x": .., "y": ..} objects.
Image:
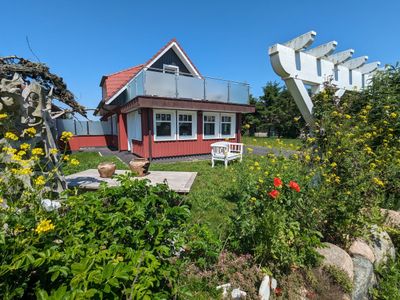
[{"x": 112, "y": 243}]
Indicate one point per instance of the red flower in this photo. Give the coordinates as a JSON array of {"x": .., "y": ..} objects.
[
  {"x": 274, "y": 194},
  {"x": 278, "y": 292},
  {"x": 277, "y": 182},
  {"x": 294, "y": 185}
]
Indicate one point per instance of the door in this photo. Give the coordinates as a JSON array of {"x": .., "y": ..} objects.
[{"x": 134, "y": 126}]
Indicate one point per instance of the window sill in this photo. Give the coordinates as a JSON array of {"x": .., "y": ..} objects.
[{"x": 187, "y": 139}]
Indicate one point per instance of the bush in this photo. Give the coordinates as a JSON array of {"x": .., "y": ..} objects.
[
  {"x": 355, "y": 155},
  {"x": 275, "y": 220},
  {"x": 112, "y": 243}
]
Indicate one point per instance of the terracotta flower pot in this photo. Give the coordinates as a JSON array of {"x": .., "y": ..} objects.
[
  {"x": 140, "y": 166},
  {"x": 106, "y": 169}
]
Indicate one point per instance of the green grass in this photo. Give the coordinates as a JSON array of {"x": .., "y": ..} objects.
[
  {"x": 90, "y": 160},
  {"x": 287, "y": 144},
  {"x": 207, "y": 196}
]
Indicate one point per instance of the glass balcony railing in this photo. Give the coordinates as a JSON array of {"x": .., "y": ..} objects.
[{"x": 159, "y": 84}]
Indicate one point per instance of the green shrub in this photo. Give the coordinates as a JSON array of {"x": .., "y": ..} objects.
[
  {"x": 113, "y": 243},
  {"x": 355, "y": 155},
  {"x": 275, "y": 221},
  {"x": 388, "y": 281}
]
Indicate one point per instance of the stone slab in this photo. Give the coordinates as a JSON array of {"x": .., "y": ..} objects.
[{"x": 180, "y": 182}]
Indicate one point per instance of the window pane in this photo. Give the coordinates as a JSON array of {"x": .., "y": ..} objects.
[
  {"x": 180, "y": 117},
  {"x": 209, "y": 129},
  {"x": 226, "y": 129},
  {"x": 185, "y": 129},
  {"x": 158, "y": 117},
  {"x": 163, "y": 129},
  {"x": 226, "y": 119},
  {"x": 209, "y": 118}
]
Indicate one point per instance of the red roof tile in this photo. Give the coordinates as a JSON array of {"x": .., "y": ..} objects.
[{"x": 114, "y": 82}]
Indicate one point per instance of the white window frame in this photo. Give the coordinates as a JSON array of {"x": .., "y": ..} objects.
[
  {"x": 194, "y": 124},
  {"x": 232, "y": 122},
  {"x": 172, "y": 137},
  {"x": 217, "y": 126},
  {"x": 171, "y": 68}
]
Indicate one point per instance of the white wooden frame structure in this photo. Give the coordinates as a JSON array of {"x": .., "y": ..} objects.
[
  {"x": 299, "y": 68},
  {"x": 226, "y": 151}
]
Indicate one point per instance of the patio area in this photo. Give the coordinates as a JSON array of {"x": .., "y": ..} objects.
[{"x": 180, "y": 182}]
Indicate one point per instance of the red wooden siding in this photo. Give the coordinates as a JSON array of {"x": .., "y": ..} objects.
[
  {"x": 81, "y": 141},
  {"x": 175, "y": 147},
  {"x": 122, "y": 132}
]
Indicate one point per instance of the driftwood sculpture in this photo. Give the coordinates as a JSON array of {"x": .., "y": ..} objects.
[{"x": 27, "y": 91}]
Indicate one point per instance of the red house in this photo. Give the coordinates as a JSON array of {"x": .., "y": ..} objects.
[{"x": 165, "y": 107}]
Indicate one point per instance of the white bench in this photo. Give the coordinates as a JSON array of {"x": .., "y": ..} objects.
[{"x": 226, "y": 151}]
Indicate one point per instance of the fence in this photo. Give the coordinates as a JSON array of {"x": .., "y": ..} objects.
[{"x": 82, "y": 128}]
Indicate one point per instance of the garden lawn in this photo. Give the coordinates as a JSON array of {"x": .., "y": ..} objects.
[
  {"x": 207, "y": 196},
  {"x": 90, "y": 160},
  {"x": 287, "y": 144}
]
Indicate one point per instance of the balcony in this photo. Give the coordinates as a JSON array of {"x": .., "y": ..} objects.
[{"x": 153, "y": 82}]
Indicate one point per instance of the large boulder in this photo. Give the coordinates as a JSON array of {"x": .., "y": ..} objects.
[
  {"x": 363, "y": 277},
  {"x": 337, "y": 257},
  {"x": 360, "y": 247},
  {"x": 381, "y": 245},
  {"x": 391, "y": 218}
]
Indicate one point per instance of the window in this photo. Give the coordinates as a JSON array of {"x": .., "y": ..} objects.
[
  {"x": 170, "y": 69},
  {"x": 210, "y": 125},
  {"x": 218, "y": 125},
  {"x": 164, "y": 122},
  {"x": 187, "y": 125},
  {"x": 228, "y": 125}
]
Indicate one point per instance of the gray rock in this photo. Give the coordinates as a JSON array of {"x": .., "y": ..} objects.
[
  {"x": 363, "y": 277},
  {"x": 50, "y": 205},
  {"x": 381, "y": 245},
  {"x": 391, "y": 218},
  {"x": 238, "y": 294},
  {"x": 337, "y": 257},
  {"x": 360, "y": 247}
]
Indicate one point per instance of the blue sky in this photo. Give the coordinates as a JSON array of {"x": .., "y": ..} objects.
[{"x": 82, "y": 40}]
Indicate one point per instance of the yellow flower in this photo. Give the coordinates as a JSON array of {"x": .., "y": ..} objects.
[
  {"x": 25, "y": 146},
  {"x": 66, "y": 136},
  {"x": 1, "y": 200},
  {"x": 393, "y": 115},
  {"x": 66, "y": 157},
  {"x": 31, "y": 131},
  {"x": 246, "y": 126},
  {"x": 377, "y": 181},
  {"x": 40, "y": 180},
  {"x": 256, "y": 164},
  {"x": 260, "y": 180},
  {"x": 250, "y": 150},
  {"x": 11, "y": 136},
  {"x": 347, "y": 117},
  {"x": 9, "y": 150},
  {"x": 3, "y": 116},
  {"x": 16, "y": 157},
  {"x": 44, "y": 226},
  {"x": 53, "y": 151},
  {"x": 37, "y": 151},
  {"x": 74, "y": 162},
  {"x": 333, "y": 165},
  {"x": 307, "y": 157},
  {"x": 21, "y": 153}
]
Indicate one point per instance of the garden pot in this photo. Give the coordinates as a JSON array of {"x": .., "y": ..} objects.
[
  {"x": 106, "y": 169},
  {"x": 140, "y": 166}
]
